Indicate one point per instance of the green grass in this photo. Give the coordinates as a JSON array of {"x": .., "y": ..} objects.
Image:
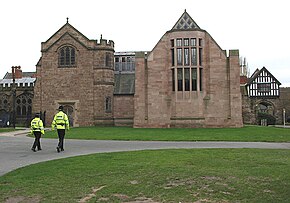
[
  {"x": 247, "y": 133},
  {"x": 3, "y": 130},
  {"x": 185, "y": 175}
]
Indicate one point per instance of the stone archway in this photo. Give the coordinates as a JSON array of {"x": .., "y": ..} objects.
[
  {"x": 265, "y": 113},
  {"x": 265, "y": 107}
]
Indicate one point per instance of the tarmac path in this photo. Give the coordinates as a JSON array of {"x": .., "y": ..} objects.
[{"x": 15, "y": 148}]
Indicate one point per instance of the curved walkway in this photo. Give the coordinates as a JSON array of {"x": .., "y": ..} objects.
[{"x": 15, "y": 148}]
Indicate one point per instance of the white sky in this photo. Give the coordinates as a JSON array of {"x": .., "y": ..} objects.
[{"x": 260, "y": 29}]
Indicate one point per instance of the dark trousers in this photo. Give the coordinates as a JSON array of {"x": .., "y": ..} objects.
[
  {"x": 61, "y": 134},
  {"x": 36, "y": 144}
]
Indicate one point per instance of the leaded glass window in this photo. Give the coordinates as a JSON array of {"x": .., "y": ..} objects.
[
  {"x": 188, "y": 53},
  {"x": 179, "y": 57},
  {"x": 108, "y": 105},
  {"x": 186, "y": 79},
  {"x": 67, "y": 56},
  {"x": 179, "y": 79},
  {"x": 179, "y": 42},
  {"x": 193, "y": 56},
  {"x": 24, "y": 105},
  {"x": 186, "y": 57},
  {"x": 194, "y": 79}
]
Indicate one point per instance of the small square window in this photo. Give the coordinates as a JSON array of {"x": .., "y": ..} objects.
[
  {"x": 186, "y": 42},
  {"x": 193, "y": 42},
  {"x": 179, "y": 42}
]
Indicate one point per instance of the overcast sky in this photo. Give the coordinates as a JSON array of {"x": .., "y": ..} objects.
[{"x": 259, "y": 29}]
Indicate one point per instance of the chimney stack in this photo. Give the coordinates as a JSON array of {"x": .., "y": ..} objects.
[{"x": 18, "y": 72}]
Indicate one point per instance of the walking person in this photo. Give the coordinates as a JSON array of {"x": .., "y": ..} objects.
[
  {"x": 38, "y": 130},
  {"x": 61, "y": 123}
]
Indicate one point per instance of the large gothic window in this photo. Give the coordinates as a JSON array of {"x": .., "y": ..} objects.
[
  {"x": 24, "y": 105},
  {"x": 67, "y": 56},
  {"x": 187, "y": 56}
]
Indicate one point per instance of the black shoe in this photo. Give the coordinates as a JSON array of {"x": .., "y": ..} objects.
[
  {"x": 39, "y": 149},
  {"x": 33, "y": 150},
  {"x": 62, "y": 150},
  {"x": 57, "y": 149}
]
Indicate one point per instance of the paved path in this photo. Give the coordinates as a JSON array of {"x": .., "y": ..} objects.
[{"x": 15, "y": 148}]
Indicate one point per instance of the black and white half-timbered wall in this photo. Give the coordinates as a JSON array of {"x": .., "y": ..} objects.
[
  {"x": 261, "y": 99},
  {"x": 263, "y": 84}
]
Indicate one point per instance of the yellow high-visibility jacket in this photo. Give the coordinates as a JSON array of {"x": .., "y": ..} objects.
[
  {"x": 36, "y": 125},
  {"x": 60, "y": 121}
]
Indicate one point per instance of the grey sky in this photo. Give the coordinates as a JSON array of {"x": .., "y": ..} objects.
[{"x": 259, "y": 29}]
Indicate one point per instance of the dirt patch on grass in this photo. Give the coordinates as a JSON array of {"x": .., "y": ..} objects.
[
  {"x": 22, "y": 199},
  {"x": 90, "y": 196},
  {"x": 143, "y": 200}
]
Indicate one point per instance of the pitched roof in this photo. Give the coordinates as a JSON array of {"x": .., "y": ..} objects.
[
  {"x": 258, "y": 72},
  {"x": 185, "y": 22},
  {"x": 24, "y": 75},
  {"x": 66, "y": 29},
  {"x": 69, "y": 26}
]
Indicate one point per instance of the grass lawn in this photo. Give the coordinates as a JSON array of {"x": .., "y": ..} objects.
[
  {"x": 247, "y": 133},
  {"x": 185, "y": 175},
  {"x": 3, "y": 130}
]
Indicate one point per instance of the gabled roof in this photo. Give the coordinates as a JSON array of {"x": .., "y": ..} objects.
[
  {"x": 63, "y": 27},
  {"x": 258, "y": 72},
  {"x": 66, "y": 29},
  {"x": 185, "y": 22}
]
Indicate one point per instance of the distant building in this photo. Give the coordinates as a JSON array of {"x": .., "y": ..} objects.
[
  {"x": 24, "y": 86},
  {"x": 263, "y": 99},
  {"x": 187, "y": 80}
]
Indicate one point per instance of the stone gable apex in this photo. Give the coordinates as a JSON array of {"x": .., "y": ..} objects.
[
  {"x": 67, "y": 34},
  {"x": 67, "y": 29},
  {"x": 185, "y": 22}
]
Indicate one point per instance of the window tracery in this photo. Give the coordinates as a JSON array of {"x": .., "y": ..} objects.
[
  {"x": 24, "y": 105},
  {"x": 67, "y": 56}
]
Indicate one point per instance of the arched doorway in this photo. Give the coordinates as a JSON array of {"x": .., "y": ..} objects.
[
  {"x": 69, "y": 110},
  {"x": 265, "y": 113}
]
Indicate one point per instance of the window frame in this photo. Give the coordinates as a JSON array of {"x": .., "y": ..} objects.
[
  {"x": 187, "y": 64},
  {"x": 67, "y": 57}
]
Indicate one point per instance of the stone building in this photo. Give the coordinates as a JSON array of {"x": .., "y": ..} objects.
[
  {"x": 78, "y": 73},
  {"x": 16, "y": 97},
  {"x": 187, "y": 80}
]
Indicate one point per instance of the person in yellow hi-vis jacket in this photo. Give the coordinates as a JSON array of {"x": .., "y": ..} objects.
[
  {"x": 61, "y": 123},
  {"x": 38, "y": 130}
]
